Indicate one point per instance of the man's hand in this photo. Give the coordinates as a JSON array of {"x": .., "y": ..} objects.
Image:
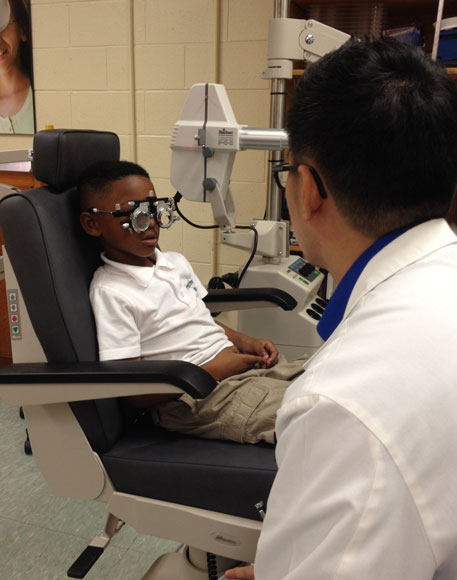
[
  {"x": 245, "y": 573},
  {"x": 231, "y": 361}
]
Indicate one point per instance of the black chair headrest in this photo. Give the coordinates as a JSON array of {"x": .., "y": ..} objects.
[{"x": 60, "y": 155}]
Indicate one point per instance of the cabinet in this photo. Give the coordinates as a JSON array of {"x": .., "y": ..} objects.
[{"x": 372, "y": 18}]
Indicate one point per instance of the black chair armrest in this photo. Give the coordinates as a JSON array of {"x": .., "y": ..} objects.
[
  {"x": 186, "y": 376},
  {"x": 273, "y": 296}
]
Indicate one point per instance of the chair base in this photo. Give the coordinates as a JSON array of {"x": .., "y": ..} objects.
[{"x": 190, "y": 564}]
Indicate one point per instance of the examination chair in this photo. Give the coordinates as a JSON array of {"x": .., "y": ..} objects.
[{"x": 86, "y": 441}]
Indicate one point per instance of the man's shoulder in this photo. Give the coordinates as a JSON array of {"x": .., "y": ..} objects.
[{"x": 391, "y": 363}]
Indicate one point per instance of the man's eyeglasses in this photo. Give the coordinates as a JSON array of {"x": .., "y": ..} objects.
[{"x": 280, "y": 176}]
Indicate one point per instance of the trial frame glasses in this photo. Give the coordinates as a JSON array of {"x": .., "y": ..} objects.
[
  {"x": 141, "y": 212},
  {"x": 285, "y": 167}
]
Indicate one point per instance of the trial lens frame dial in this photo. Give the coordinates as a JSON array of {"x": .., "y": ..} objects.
[{"x": 139, "y": 218}]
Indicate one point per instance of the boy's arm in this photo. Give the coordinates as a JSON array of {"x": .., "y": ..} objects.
[
  {"x": 142, "y": 401},
  {"x": 226, "y": 364},
  {"x": 255, "y": 346},
  {"x": 230, "y": 361}
]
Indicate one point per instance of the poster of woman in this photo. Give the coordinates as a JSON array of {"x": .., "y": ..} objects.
[{"x": 16, "y": 71}]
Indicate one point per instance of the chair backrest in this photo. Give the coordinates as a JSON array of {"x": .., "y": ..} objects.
[{"x": 54, "y": 260}]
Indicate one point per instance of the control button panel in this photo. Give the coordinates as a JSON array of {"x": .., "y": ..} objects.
[
  {"x": 305, "y": 271},
  {"x": 317, "y": 308},
  {"x": 13, "y": 314},
  {"x": 313, "y": 314}
]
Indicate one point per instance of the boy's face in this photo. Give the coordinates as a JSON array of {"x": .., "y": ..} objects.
[{"x": 124, "y": 245}]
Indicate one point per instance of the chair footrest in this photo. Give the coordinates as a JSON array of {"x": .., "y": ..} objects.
[{"x": 84, "y": 562}]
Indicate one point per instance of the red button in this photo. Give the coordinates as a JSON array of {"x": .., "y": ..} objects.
[{"x": 14, "y": 318}]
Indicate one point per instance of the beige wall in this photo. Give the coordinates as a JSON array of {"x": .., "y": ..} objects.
[{"x": 126, "y": 66}]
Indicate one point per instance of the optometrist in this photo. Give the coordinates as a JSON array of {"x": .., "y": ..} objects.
[{"x": 367, "y": 436}]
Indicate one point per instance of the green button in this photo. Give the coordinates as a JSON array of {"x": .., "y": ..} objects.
[{"x": 15, "y": 329}]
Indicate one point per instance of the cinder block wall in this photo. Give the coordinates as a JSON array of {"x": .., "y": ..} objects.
[{"x": 127, "y": 65}]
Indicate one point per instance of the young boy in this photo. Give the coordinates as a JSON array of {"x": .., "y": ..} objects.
[{"x": 148, "y": 305}]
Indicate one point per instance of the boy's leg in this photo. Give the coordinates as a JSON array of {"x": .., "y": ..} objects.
[{"x": 241, "y": 408}]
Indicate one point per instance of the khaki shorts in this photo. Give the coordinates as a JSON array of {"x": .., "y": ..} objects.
[{"x": 241, "y": 408}]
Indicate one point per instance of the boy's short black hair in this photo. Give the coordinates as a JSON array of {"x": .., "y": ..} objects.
[
  {"x": 379, "y": 119},
  {"x": 95, "y": 181}
]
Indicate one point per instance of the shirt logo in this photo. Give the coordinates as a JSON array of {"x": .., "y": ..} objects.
[{"x": 191, "y": 284}]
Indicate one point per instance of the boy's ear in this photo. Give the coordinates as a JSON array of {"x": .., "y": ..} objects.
[{"x": 90, "y": 224}]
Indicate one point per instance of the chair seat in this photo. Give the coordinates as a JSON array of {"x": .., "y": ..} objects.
[{"x": 222, "y": 476}]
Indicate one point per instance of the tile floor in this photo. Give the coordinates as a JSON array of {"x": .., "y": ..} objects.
[{"x": 41, "y": 535}]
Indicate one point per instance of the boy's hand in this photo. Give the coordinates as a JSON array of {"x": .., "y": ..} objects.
[
  {"x": 231, "y": 361},
  {"x": 254, "y": 346},
  {"x": 261, "y": 347},
  {"x": 245, "y": 573}
]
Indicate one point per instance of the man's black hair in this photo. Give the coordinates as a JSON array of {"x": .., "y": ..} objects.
[
  {"x": 379, "y": 119},
  {"x": 96, "y": 180}
]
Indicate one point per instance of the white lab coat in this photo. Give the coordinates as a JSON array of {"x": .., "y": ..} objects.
[{"x": 367, "y": 437}]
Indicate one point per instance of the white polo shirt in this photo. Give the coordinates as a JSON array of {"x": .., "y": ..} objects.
[{"x": 155, "y": 313}]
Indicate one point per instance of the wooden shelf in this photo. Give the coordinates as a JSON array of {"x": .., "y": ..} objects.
[
  {"x": 4, "y": 361},
  {"x": 388, "y": 3},
  {"x": 452, "y": 72},
  {"x": 20, "y": 179}
]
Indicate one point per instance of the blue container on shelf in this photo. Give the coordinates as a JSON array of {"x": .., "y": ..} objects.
[{"x": 447, "y": 48}]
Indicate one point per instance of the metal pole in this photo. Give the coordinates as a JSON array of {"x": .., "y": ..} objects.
[
  {"x": 436, "y": 39},
  {"x": 277, "y": 115},
  {"x": 281, "y": 9}
]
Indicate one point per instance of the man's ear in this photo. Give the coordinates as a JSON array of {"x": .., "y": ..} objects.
[
  {"x": 310, "y": 197},
  {"x": 90, "y": 224}
]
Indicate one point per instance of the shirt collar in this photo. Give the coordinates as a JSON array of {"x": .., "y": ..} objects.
[
  {"x": 141, "y": 274},
  {"x": 336, "y": 307}
]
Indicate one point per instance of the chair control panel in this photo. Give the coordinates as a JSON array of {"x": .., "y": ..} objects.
[{"x": 13, "y": 314}]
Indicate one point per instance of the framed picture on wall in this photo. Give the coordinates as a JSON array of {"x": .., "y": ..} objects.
[{"x": 17, "y": 110}]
